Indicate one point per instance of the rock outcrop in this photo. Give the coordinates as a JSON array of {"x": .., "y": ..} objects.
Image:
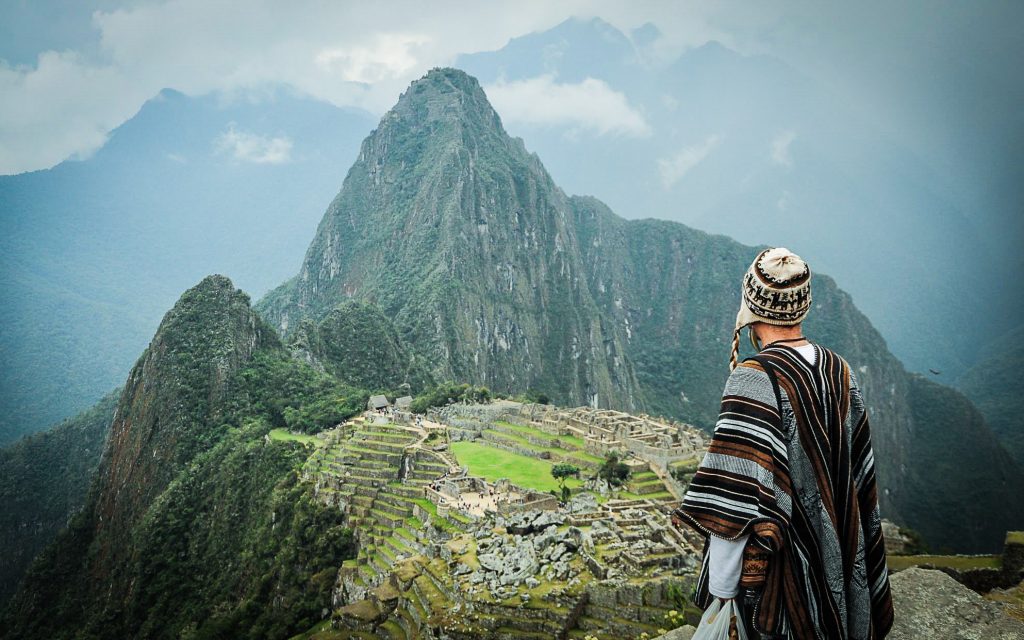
[{"x": 930, "y": 604}]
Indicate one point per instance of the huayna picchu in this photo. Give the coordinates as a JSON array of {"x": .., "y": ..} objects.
[{"x": 369, "y": 451}]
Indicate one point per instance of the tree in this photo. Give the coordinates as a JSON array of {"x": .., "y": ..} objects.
[
  {"x": 562, "y": 471},
  {"x": 615, "y": 472}
]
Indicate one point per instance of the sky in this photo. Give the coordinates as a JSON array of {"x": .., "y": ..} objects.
[{"x": 942, "y": 75}]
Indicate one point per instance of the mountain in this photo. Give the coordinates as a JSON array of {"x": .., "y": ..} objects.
[
  {"x": 748, "y": 146},
  {"x": 494, "y": 276},
  {"x": 45, "y": 480},
  {"x": 195, "y": 514},
  {"x": 93, "y": 251},
  {"x": 463, "y": 240},
  {"x": 358, "y": 345},
  {"x": 1000, "y": 403}
]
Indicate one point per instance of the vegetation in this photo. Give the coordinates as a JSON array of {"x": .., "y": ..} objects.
[
  {"x": 284, "y": 434},
  {"x": 214, "y": 536},
  {"x": 613, "y": 471},
  {"x": 533, "y": 396},
  {"x": 961, "y": 563},
  {"x": 982, "y": 521},
  {"x": 449, "y": 393},
  {"x": 360, "y": 346},
  {"x": 1001, "y": 404},
  {"x": 561, "y": 472},
  {"x": 45, "y": 477},
  {"x": 210, "y": 558},
  {"x": 293, "y": 395}
]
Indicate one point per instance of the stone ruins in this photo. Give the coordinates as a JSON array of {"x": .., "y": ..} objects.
[{"x": 446, "y": 554}]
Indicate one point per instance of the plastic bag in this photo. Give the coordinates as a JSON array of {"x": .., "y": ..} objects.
[{"x": 715, "y": 623}]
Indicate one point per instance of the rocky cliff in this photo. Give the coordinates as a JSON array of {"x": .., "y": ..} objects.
[{"x": 496, "y": 277}]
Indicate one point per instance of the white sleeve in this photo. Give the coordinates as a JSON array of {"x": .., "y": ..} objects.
[{"x": 725, "y": 558}]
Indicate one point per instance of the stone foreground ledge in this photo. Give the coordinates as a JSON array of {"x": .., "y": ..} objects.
[{"x": 930, "y": 604}]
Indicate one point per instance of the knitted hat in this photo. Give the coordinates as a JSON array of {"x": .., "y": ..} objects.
[{"x": 776, "y": 290}]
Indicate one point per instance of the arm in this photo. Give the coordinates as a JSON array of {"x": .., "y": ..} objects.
[{"x": 725, "y": 560}]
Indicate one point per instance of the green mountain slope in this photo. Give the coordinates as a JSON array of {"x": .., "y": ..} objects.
[
  {"x": 46, "y": 476},
  {"x": 357, "y": 344},
  {"x": 196, "y": 523},
  {"x": 496, "y": 277}
]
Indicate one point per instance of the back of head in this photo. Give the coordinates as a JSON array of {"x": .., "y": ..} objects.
[{"x": 776, "y": 290}]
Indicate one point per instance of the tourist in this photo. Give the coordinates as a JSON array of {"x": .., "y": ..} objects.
[{"x": 791, "y": 455}]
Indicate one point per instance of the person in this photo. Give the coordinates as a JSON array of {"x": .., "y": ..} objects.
[{"x": 786, "y": 493}]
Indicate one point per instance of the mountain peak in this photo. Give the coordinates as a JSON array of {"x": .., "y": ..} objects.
[{"x": 445, "y": 95}]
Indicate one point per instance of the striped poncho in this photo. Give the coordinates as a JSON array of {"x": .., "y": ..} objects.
[{"x": 792, "y": 465}]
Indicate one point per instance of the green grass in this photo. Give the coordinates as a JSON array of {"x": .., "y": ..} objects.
[
  {"x": 898, "y": 563},
  {"x": 284, "y": 435},
  {"x": 533, "y": 431},
  {"x": 492, "y": 463},
  {"x": 569, "y": 454}
]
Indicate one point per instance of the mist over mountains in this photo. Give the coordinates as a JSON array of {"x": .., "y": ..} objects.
[
  {"x": 236, "y": 184},
  {"x": 93, "y": 252},
  {"x": 749, "y": 147}
]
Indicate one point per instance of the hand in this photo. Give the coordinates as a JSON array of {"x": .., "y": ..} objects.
[{"x": 677, "y": 522}]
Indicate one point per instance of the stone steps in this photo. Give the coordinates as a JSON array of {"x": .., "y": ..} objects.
[
  {"x": 397, "y": 501},
  {"x": 399, "y": 511},
  {"x": 383, "y": 436},
  {"x": 366, "y": 469},
  {"x": 383, "y": 446},
  {"x": 387, "y": 518},
  {"x": 409, "y": 624},
  {"x": 398, "y": 548},
  {"x": 405, "y": 491}
]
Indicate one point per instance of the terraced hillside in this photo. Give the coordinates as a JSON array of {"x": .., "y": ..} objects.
[{"x": 601, "y": 565}]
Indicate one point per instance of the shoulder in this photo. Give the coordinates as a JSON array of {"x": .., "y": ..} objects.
[{"x": 750, "y": 380}]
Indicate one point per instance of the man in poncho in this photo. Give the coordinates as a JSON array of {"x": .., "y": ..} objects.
[{"x": 786, "y": 493}]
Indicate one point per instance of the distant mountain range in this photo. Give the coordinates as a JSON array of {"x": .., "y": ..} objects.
[{"x": 94, "y": 250}]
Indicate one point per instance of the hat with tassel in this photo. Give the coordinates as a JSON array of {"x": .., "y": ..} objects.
[{"x": 776, "y": 290}]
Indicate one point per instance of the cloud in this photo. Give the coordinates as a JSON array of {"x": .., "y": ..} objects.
[
  {"x": 588, "y": 105},
  {"x": 63, "y": 107},
  {"x": 250, "y": 147},
  {"x": 673, "y": 168},
  {"x": 390, "y": 55},
  {"x": 357, "y": 54},
  {"x": 780, "y": 148}
]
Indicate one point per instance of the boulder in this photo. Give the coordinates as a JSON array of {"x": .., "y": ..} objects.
[
  {"x": 583, "y": 502},
  {"x": 930, "y": 604}
]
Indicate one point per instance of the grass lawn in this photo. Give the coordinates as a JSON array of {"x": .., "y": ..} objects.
[
  {"x": 492, "y": 463},
  {"x": 284, "y": 434}
]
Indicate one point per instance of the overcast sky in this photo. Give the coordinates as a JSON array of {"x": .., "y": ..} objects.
[{"x": 945, "y": 75}]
